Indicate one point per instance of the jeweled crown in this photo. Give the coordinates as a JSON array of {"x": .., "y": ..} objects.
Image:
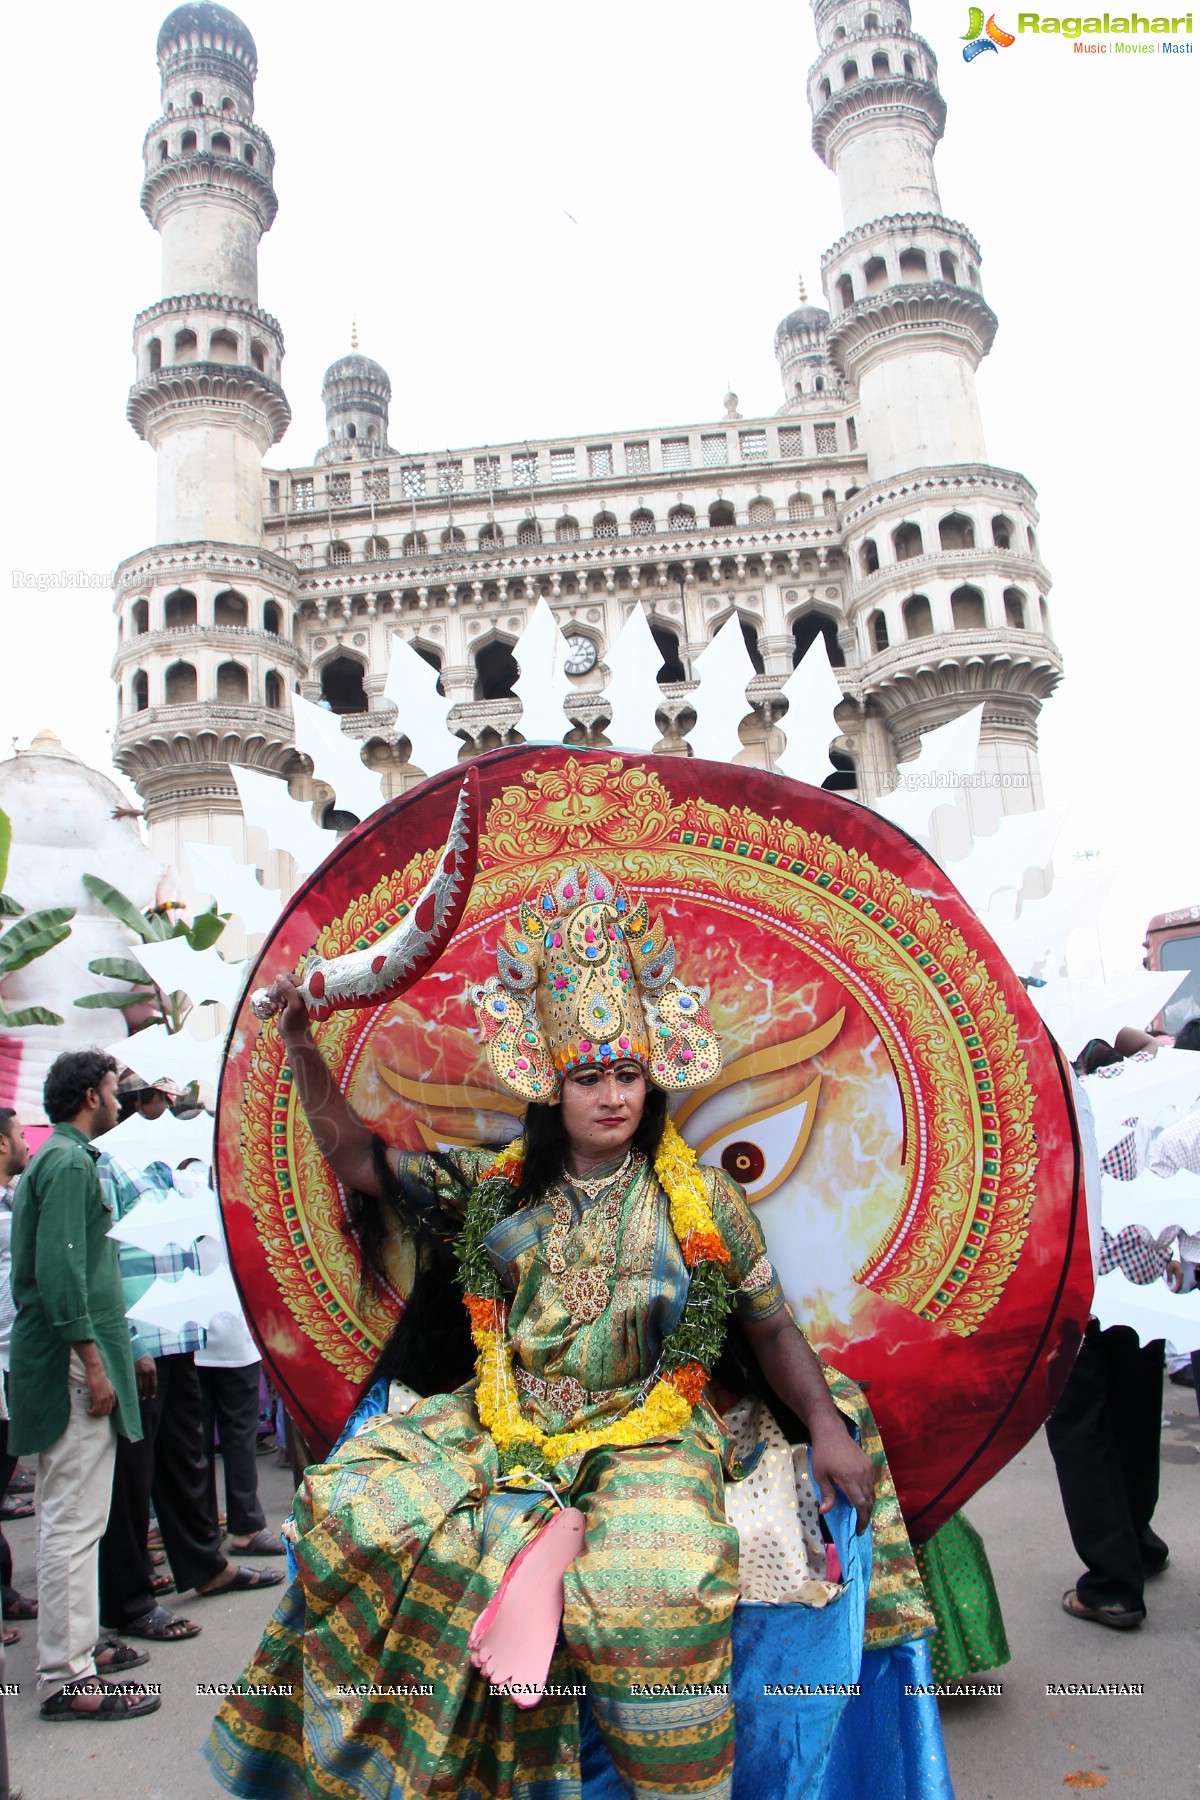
[{"x": 586, "y": 978}]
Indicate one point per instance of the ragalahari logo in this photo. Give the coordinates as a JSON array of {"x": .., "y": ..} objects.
[{"x": 976, "y": 43}]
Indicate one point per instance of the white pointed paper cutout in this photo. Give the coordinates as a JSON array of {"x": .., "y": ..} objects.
[
  {"x": 421, "y": 712},
  {"x": 287, "y": 824},
  {"x": 1037, "y": 939},
  {"x": 200, "y": 974},
  {"x": 1156, "y": 1201},
  {"x": 234, "y": 886},
  {"x": 192, "y": 1298},
  {"x": 157, "y": 1054},
  {"x": 138, "y": 1141},
  {"x": 634, "y": 695},
  {"x": 177, "y": 1218},
  {"x": 724, "y": 671},
  {"x": 1022, "y": 842},
  {"x": 928, "y": 781},
  {"x": 336, "y": 758},
  {"x": 1156, "y": 1092},
  {"x": 540, "y": 654},
  {"x": 812, "y": 692}
]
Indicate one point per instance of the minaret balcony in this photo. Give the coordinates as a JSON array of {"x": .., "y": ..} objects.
[
  {"x": 177, "y": 640},
  {"x": 972, "y": 663},
  {"x": 222, "y": 327},
  {"x": 915, "y": 313},
  {"x": 205, "y": 175},
  {"x": 188, "y": 388},
  {"x": 896, "y": 250},
  {"x": 916, "y": 572}
]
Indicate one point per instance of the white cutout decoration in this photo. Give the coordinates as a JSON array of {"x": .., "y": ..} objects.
[
  {"x": 177, "y": 1218},
  {"x": 724, "y": 672},
  {"x": 634, "y": 695},
  {"x": 336, "y": 758},
  {"x": 138, "y": 1141},
  {"x": 157, "y": 1054},
  {"x": 540, "y": 654},
  {"x": 1153, "y": 1311},
  {"x": 287, "y": 824},
  {"x": 191, "y": 1299},
  {"x": 234, "y": 886},
  {"x": 203, "y": 975},
  {"x": 1075, "y": 1011},
  {"x": 421, "y": 712},
  {"x": 933, "y": 778},
  {"x": 998, "y": 864},
  {"x": 812, "y": 693}
]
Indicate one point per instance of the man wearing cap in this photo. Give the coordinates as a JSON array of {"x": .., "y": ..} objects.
[{"x": 168, "y": 1464}]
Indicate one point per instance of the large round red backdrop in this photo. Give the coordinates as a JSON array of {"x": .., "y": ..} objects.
[{"x": 889, "y": 1097}]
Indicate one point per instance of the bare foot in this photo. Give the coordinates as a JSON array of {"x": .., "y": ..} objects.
[{"x": 513, "y": 1638}]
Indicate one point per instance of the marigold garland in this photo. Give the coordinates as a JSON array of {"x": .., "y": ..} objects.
[{"x": 688, "y": 1352}]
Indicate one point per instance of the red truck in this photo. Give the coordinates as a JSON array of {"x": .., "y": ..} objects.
[{"x": 1173, "y": 942}]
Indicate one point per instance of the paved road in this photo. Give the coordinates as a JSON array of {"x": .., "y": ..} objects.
[{"x": 1020, "y": 1746}]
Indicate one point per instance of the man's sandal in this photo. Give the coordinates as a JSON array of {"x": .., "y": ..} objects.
[
  {"x": 113, "y": 1657},
  {"x": 243, "y": 1581},
  {"x": 159, "y": 1626},
  {"x": 120, "y": 1700},
  {"x": 1115, "y": 1617}
]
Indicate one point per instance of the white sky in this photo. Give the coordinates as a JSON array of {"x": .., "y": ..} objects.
[{"x": 426, "y": 161}]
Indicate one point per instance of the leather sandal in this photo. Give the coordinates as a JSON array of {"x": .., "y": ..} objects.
[
  {"x": 121, "y": 1700},
  {"x": 1117, "y": 1618}
]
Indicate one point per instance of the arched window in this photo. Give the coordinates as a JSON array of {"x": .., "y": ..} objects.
[
  {"x": 948, "y": 267},
  {"x": 1044, "y": 610},
  {"x": 604, "y": 525},
  {"x": 179, "y": 609},
  {"x": 180, "y": 684},
  {"x": 907, "y": 542},
  {"x": 227, "y": 105},
  {"x": 909, "y": 66},
  {"x": 870, "y": 23},
  {"x": 875, "y": 275},
  {"x": 342, "y": 685},
  {"x": 829, "y": 503},
  {"x": 956, "y": 532},
  {"x": 918, "y": 617},
  {"x": 800, "y": 506},
  {"x": 681, "y": 518},
  {"x": 273, "y": 691},
  {"x": 140, "y": 689},
  {"x": 258, "y": 355},
  {"x": 762, "y": 512},
  {"x": 230, "y": 609},
  {"x": 877, "y": 632},
  {"x": 140, "y": 617},
  {"x": 233, "y": 684},
  {"x": 1014, "y": 608},
  {"x": 248, "y": 155},
  {"x": 491, "y": 537},
  {"x": 849, "y": 73},
  {"x": 154, "y": 354},
  {"x": 377, "y": 549},
  {"x": 185, "y": 346},
  {"x": 1033, "y": 549},
  {"x": 807, "y": 630},
  {"x": 667, "y": 645},
  {"x": 750, "y": 639},
  {"x": 973, "y": 275},
  {"x": 272, "y": 618},
  {"x": 221, "y": 143},
  {"x": 967, "y": 610},
  {"x": 845, "y": 291},
  {"x": 435, "y": 662},
  {"x": 880, "y": 64},
  {"x": 567, "y": 531},
  {"x": 529, "y": 532},
  {"x": 844, "y": 779},
  {"x": 195, "y": 99},
  {"x": 825, "y": 90},
  {"x": 721, "y": 516},
  {"x": 415, "y": 544},
  {"x": 338, "y": 555},
  {"x": 187, "y": 143},
  {"x": 913, "y": 265},
  {"x": 1002, "y": 532},
  {"x": 453, "y": 541},
  {"x": 868, "y": 557},
  {"x": 642, "y": 523},
  {"x": 495, "y": 672},
  {"x": 163, "y": 150}
]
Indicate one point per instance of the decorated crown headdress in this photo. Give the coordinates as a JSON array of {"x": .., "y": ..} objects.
[{"x": 586, "y": 979}]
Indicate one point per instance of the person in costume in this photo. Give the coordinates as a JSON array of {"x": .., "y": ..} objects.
[{"x": 577, "y": 1481}]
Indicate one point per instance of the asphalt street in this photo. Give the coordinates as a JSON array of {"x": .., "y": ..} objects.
[{"x": 1024, "y": 1744}]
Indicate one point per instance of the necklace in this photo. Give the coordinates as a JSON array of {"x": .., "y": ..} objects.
[
  {"x": 585, "y": 1289},
  {"x": 664, "y": 1403}
]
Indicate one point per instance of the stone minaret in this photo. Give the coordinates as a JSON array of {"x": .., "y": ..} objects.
[
  {"x": 948, "y": 595},
  {"x": 205, "y": 655}
]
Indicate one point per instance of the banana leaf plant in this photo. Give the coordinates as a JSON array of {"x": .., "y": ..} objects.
[
  {"x": 151, "y": 1004},
  {"x": 33, "y": 934}
]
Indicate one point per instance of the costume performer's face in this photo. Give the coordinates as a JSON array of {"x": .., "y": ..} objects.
[{"x": 602, "y": 1108}]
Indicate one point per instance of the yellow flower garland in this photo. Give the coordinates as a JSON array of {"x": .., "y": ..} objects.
[{"x": 665, "y": 1410}]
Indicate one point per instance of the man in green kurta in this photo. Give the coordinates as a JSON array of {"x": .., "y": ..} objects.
[{"x": 73, "y": 1382}]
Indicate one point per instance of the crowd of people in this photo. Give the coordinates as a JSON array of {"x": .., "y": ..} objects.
[{"x": 121, "y": 1419}]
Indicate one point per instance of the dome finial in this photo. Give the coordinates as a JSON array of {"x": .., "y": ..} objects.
[
  {"x": 803, "y": 293},
  {"x": 354, "y": 334}
]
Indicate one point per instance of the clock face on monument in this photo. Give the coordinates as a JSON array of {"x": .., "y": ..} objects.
[{"x": 581, "y": 654}]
